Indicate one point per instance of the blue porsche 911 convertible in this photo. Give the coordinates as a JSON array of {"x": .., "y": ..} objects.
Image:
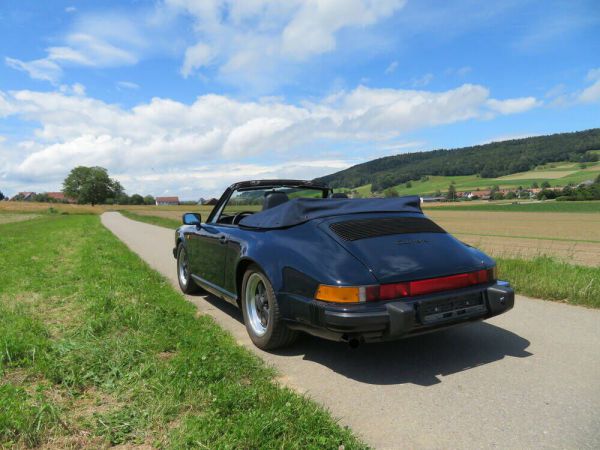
[{"x": 296, "y": 257}]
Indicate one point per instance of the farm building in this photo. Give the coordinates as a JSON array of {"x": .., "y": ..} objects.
[
  {"x": 23, "y": 197},
  {"x": 163, "y": 201},
  {"x": 59, "y": 197}
]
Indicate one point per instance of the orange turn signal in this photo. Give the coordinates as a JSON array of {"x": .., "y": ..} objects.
[{"x": 338, "y": 294}]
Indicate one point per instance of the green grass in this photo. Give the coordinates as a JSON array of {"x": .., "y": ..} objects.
[
  {"x": 547, "y": 206},
  {"x": 97, "y": 349},
  {"x": 154, "y": 220},
  {"x": 547, "y": 278}
]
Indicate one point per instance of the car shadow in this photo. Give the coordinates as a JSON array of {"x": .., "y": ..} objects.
[{"x": 420, "y": 360}]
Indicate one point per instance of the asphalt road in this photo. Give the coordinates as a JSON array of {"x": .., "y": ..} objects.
[{"x": 527, "y": 379}]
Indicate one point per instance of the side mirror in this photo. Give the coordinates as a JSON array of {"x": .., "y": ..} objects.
[{"x": 191, "y": 219}]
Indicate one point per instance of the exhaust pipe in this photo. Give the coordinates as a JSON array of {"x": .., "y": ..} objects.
[{"x": 353, "y": 343}]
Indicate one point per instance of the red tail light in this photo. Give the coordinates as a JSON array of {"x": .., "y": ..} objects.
[{"x": 428, "y": 286}]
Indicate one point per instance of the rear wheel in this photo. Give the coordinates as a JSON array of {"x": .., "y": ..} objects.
[
  {"x": 261, "y": 312},
  {"x": 184, "y": 276}
]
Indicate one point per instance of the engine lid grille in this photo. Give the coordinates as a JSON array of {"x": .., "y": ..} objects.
[{"x": 353, "y": 230}]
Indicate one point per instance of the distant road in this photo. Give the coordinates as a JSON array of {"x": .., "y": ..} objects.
[{"x": 527, "y": 379}]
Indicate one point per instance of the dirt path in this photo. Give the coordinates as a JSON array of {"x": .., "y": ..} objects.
[{"x": 527, "y": 379}]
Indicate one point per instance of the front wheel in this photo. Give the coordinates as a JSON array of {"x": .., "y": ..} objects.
[
  {"x": 261, "y": 312},
  {"x": 184, "y": 276}
]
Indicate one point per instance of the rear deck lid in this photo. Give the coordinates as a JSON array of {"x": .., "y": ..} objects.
[{"x": 403, "y": 247}]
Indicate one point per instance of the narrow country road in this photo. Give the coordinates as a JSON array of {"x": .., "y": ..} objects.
[{"x": 526, "y": 379}]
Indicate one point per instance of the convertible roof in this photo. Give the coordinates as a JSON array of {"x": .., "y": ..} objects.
[{"x": 300, "y": 210}]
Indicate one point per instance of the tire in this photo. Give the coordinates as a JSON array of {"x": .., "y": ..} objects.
[
  {"x": 265, "y": 327},
  {"x": 186, "y": 282}
]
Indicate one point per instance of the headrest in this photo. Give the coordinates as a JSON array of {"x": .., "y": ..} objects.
[{"x": 273, "y": 199}]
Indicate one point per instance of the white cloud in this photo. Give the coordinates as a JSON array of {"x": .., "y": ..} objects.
[
  {"x": 70, "y": 9},
  {"x": 105, "y": 40},
  {"x": 423, "y": 81},
  {"x": 593, "y": 74},
  {"x": 312, "y": 29},
  {"x": 39, "y": 69},
  {"x": 127, "y": 85},
  {"x": 75, "y": 89},
  {"x": 391, "y": 68},
  {"x": 169, "y": 137},
  {"x": 513, "y": 105},
  {"x": 196, "y": 56},
  {"x": 590, "y": 94},
  {"x": 255, "y": 35}
]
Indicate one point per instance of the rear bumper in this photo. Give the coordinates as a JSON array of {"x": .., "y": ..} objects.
[{"x": 397, "y": 318}]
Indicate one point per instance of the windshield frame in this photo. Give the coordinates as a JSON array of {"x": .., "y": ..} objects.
[{"x": 217, "y": 211}]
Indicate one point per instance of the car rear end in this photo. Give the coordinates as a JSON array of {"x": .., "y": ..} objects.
[{"x": 424, "y": 280}]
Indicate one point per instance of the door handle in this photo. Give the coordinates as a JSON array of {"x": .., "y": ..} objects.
[{"x": 223, "y": 239}]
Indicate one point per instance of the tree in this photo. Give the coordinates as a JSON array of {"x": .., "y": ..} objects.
[
  {"x": 1, "y": 196},
  {"x": 149, "y": 200},
  {"x": 534, "y": 185},
  {"x": 136, "y": 199},
  {"x": 91, "y": 185},
  {"x": 451, "y": 193},
  {"x": 408, "y": 184},
  {"x": 390, "y": 192},
  {"x": 545, "y": 185}
]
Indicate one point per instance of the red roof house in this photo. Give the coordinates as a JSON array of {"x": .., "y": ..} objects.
[{"x": 167, "y": 201}]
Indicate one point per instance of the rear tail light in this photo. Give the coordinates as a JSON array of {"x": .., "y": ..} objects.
[{"x": 359, "y": 294}]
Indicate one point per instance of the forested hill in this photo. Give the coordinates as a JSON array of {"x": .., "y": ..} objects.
[{"x": 488, "y": 160}]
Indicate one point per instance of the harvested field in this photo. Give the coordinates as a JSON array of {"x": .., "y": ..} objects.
[
  {"x": 535, "y": 174},
  {"x": 570, "y": 237}
]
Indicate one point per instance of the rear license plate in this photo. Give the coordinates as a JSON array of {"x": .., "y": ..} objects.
[{"x": 446, "y": 309}]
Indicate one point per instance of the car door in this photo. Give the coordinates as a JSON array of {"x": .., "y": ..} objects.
[{"x": 208, "y": 251}]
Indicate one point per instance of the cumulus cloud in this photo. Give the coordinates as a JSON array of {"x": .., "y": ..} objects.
[
  {"x": 242, "y": 36},
  {"x": 591, "y": 94},
  {"x": 196, "y": 56},
  {"x": 513, "y": 105},
  {"x": 254, "y": 38},
  {"x": 172, "y": 138},
  {"x": 104, "y": 40},
  {"x": 38, "y": 69}
]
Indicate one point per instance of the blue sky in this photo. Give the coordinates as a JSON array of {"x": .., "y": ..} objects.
[{"x": 183, "y": 97}]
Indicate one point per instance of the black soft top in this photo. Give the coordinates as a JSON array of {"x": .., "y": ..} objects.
[{"x": 300, "y": 210}]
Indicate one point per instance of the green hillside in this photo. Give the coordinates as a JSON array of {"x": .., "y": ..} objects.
[
  {"x": 558, "y": 158},
  {"x": 431, "y": 184}
]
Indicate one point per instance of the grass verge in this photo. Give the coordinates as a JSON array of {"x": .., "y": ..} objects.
[
  {"x": 97, "y": 349},
  {"x": 547, "y": 206},
  {"x": 154, "y": 220},
  {"x": 548, "y": 278}
]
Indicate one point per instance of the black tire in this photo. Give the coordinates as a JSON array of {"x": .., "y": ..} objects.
[
  {"x": 186, "y": 282},
  {"x": 276, "y": 333}
]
